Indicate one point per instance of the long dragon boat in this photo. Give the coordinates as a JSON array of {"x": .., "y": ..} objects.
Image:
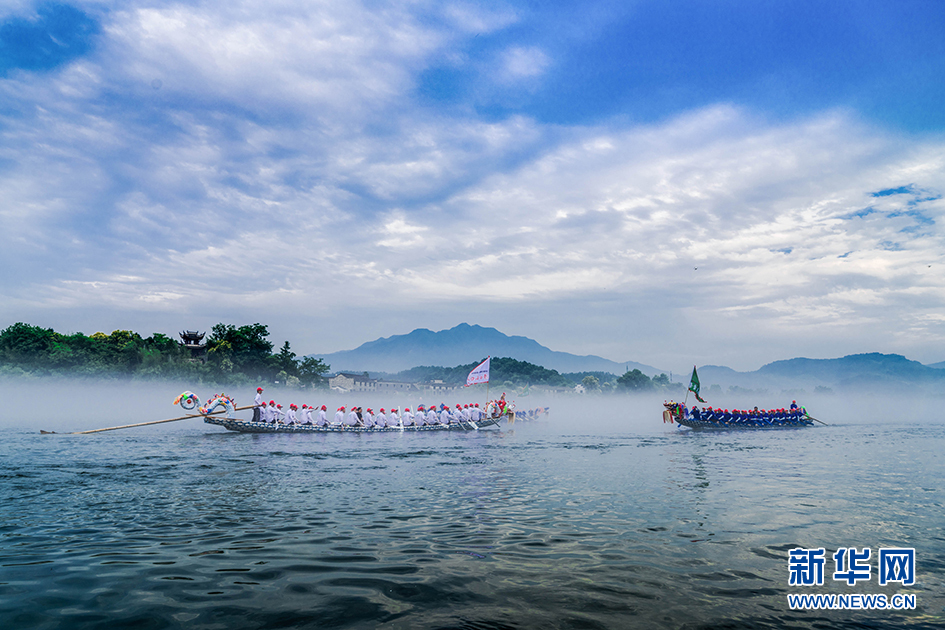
[
  {"x": 248, "y": 426},
  {"x": 737, "y": 419},
  {"x": 221, "y": 402}
]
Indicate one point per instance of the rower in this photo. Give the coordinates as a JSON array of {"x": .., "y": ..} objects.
[
  {"x": 307, "y": 415},
  {"x": 351, "y": 420}
]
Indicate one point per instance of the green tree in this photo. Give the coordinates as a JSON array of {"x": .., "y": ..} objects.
[
  {"x": 634, "y": 381},
  {"x": 590, "y": 383},
  {"x": 26, "y": 345},
  {"x": 661, "y": 381},
  {"x": 312, "y": 372},
  {"x": 286, "y": 360},
  {"x": 247, "y": 348}
]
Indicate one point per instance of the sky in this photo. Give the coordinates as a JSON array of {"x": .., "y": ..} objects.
[{"x": 675, "y": 183}]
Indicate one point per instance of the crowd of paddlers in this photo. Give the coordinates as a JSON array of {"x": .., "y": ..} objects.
[
  {"x": 357, "y": 416},
  {"x": 754, "y": 417}
]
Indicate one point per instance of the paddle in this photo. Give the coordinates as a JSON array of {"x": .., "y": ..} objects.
[
  {"x": 816, "y": 420},
  {"x": 141, "y": 424}
]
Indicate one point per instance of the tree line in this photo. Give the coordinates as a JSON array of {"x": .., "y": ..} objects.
[
  {"x": 245, "y": 355},
  {"x": 234, "y": 354},
  {"x": 511, "y": 373}
]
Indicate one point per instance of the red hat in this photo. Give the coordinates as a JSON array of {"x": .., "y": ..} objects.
[
  {"x": 324, "y": 407},
  {"x": 382, "y": 410},
  {"x": 369, "y": 409},
  {"x": 406, "y": 408},
  {"x": 279, "y": 406},
  {"x": 272, "y": 402},
  {"x": 259, "y": 389}
]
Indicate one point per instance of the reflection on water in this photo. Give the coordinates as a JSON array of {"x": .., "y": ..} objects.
[{"x": 539, "y": 525}]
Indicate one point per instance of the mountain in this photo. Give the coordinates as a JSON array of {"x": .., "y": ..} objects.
[
  {"x": 940, "y": 365},
  {"x": 465, "y": 344},
  {"x": 853, "y": 372}
]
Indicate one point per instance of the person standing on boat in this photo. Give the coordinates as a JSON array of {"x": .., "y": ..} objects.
[{"x": 257, "y": 403}]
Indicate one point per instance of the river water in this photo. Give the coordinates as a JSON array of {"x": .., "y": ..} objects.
[{"x": 599, "y": 516}]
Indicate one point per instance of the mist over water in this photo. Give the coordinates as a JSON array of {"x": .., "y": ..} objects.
[{"x": 597, "y": 516}]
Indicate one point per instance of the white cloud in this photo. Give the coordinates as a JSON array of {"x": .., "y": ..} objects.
[
  {"x": 283, "y": 167},
  {"x": 523, "y": 62}
]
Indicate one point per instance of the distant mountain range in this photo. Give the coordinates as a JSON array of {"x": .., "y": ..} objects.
[
  {"x": 465, "y": 344},
  {"x": 853, "y": 372}
]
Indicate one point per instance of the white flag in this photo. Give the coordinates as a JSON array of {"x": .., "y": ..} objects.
[{"x": 479, "y": 374}]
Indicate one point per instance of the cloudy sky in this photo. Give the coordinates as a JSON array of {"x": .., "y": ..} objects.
[{"x": 728, "y": 182}]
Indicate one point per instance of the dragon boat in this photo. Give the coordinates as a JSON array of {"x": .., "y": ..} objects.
[
  {"x": 223, "y": 403},
  {"x": 723, "y": 419}
]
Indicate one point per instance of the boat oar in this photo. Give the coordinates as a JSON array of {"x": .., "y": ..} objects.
[
  {"x": 816, "y": 420},
  {"x": 141, "y": 424}
]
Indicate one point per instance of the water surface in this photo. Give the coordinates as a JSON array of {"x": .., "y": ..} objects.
[{"x": 599, "y": 517}]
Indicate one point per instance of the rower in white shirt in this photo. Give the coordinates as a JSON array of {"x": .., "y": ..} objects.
[
  {"x": 322, "y": 419},
  {"x": 306, "y": 415},
  {"x": 351, "y": 420},
  {"x": 339, "y": 416},
  {"x": 407, "y": 418}
]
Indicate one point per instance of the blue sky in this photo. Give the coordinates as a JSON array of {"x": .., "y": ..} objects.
[{"x": 665, "y": 182}]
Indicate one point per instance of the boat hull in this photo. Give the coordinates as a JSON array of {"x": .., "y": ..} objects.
[
  {"x": 248, "y": 426},
  {"x": 708, "y": 425}
]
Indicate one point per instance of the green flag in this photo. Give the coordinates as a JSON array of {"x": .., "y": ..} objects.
[{"x": 694, "y": 384}]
